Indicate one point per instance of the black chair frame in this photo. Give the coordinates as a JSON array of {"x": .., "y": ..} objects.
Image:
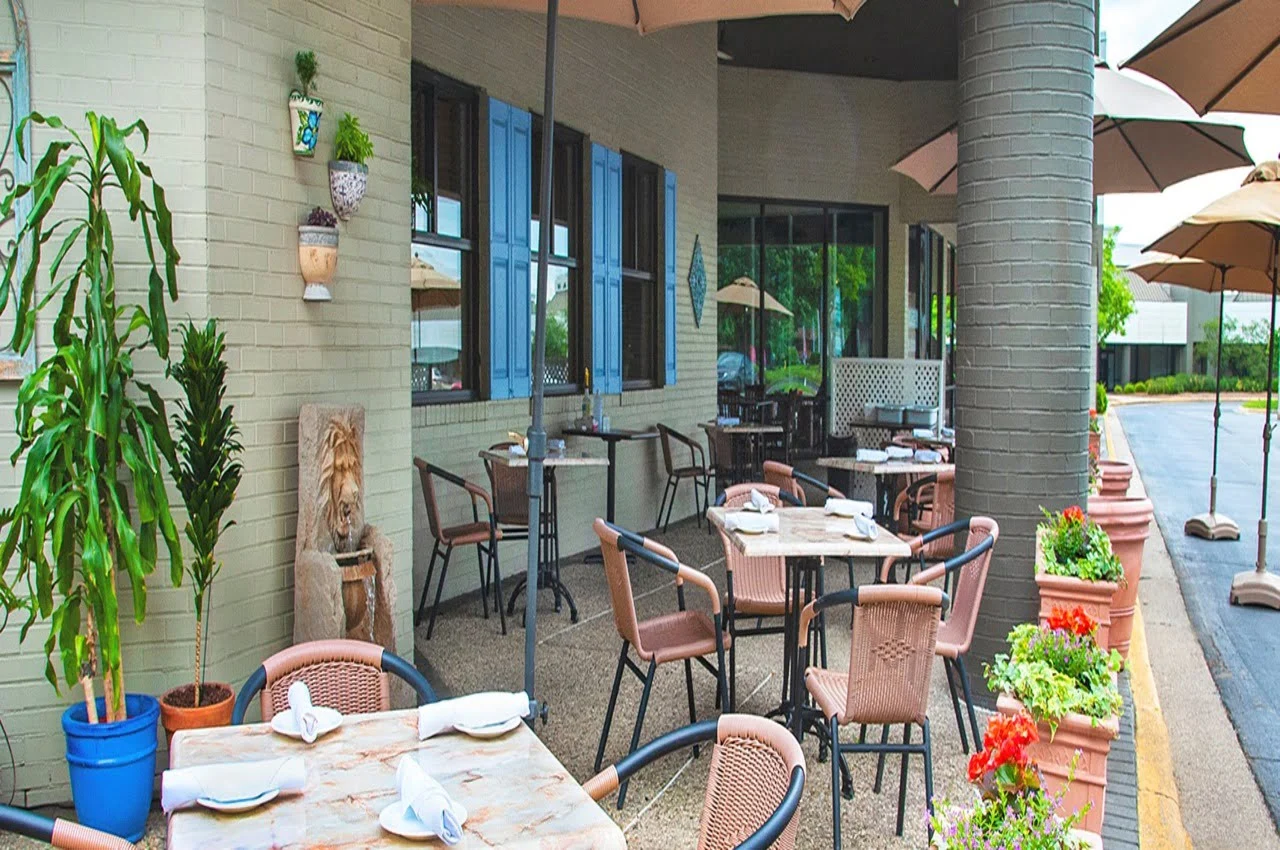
[{"x": 701, "y": 481}]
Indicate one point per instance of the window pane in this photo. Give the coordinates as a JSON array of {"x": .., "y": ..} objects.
[
  {"x": 564, "y": 199},
  {"x": 641, "y": 286},
  {"x": 562, "y": 346},
  {"x": 853, "y": 271},
  {"x": 738, "y": 302},
  {"x": 440, "y": 278},
  {"x": 793, "y": 279},
  {"x": 420, "y": 187},
  {"x": 453, "y": 165},
  {"x": 639, "y": 330}
]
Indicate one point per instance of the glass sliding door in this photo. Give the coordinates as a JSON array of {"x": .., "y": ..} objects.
[
  {"x": 794, "y": 257},
  {"x": 738, "y": 300},
  {"x": 858, "y": 312}
]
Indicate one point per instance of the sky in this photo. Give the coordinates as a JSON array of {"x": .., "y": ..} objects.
[{"x": 1128, "y": 25}]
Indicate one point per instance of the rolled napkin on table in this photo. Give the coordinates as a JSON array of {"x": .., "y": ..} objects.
[
  {"x": 928, "y": 456},
  {"x": 728, "y": 421},
  {"x": 866, "y": 528},
  {"x": 759, "y": 503},
  {"x": 484, "y": 709},
  {"x": 922, "y": 433},
  {"x": 898, "y": 452},
  {"x": 516, "y": 450},
  {"x": 848, "y": 507},
  {"x": 304, "y": 713},
  {"x": 871, "y": 455},
  {"x": 752, "y": 522},
  {"x": 427, "y": 800},
  {"x": 947, "y": 433},
  {"x": 231, "y": 781}
]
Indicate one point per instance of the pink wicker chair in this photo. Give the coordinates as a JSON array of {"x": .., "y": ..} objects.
[
  {"x": 966, "y": 574},
  {"x": 792, "y": 480},
  {"x": 696, "y": 471},
  {"x": 753, "y": 792},
  {"x": 347, "y": 675},
  {"x": 682, "y": 635},
  {"x": 927, "y": 504},
  {"x": 894, "y": 635},
  {"x": 58, "y": 832}
]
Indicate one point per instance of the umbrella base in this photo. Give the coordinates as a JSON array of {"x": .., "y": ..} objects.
[
  {"x": 1256, "y": 588},
  {"x": 1212, "y": 526}
]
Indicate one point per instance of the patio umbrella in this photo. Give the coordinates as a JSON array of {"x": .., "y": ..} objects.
[
  {"x": 439, "y": 290},
  {"x": 645, "y": 16},
  {"x": 1221, "y": 55},
  {"x": 1144, "y": 140},
  {"x": 1206, "y": 277},
  {"x": 1243, "y": 229},
  {"x": 745, "y": 293}
]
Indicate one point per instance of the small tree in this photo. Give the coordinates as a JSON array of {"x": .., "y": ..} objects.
[
  {"x": 1115, "y": 301},
  {"x": 205, "y": 466}
]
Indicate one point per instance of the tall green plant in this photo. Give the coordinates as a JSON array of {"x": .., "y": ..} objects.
[
  {"x": 91, "y": 433},
  {"x": 205, "y": 466}
]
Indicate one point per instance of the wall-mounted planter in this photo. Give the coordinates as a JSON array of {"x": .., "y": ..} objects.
[
  {"x": 347, "y": 184},
  {"x": 304, "y": 117},
  {"x": 318, "y": 259}
]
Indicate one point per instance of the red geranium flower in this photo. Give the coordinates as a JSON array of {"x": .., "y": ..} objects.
[
  {"x": 1005, "y": 742},
  {"x": 1074, "y": 620},
  {"x": 1073, "y": 514}
]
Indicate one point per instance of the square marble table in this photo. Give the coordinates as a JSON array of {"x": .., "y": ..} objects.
[
  {"x": 886, "y": 474},
  {"x": 516, "y": 793},
  {"x": 558, "y": 461}
]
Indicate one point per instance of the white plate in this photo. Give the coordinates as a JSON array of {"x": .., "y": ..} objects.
[
  {"x": 490, "y": 730},
  {"x": 396, "y": 819},
  {"x": 326, "y": 721},
  {"x": 244, "y": 805}
]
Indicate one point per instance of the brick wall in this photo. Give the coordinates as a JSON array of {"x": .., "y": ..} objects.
[{"x": 655, "y": 97}]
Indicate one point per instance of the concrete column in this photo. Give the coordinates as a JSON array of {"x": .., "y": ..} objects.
[{"x": 1024, "y": 282}]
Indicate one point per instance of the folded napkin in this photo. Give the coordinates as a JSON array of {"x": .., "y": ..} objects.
[
  {"x": 759, "y": 503},
  {"x": 516, "y": 450},
  {"x": 872, "y": 455},
  {"x": 304, "y": 713},
  {"x": 231, "y": 781},
  {"x": 728, "y": 421},
  {"x": 866, "y": 528},
  {"x": 898, "y": 452},
  {"x": 848, "y": 507},
  {"x": 922, "y": 433},
  {"x": 949, "y": 433},
  {"x": 751, "y": 522},
  {"x": 427, "y": 800},
  {"x": 928, "y": 456},
  {"x": 483, "y": 709}
]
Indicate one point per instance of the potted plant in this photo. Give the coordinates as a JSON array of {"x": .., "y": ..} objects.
[
  {"x": 1059, "y": 675},
  {"x": 1075, "y": 566},
  {"x": 207, "y": 473},
  {"x": 318, "y": 254},
  {"x": 92, "y": 503},
  {"x": 1127, "y": 524},
  {"x": 304, "y": 108},
  {"x": 1012, "y": 809},
  {"x": 1113, "y": 478},
  {"x": 349, "y": 170},
  {"x": 1095, "y": 434}
]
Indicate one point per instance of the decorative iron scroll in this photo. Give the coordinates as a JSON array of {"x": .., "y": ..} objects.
[{"x": 15, "y": 94}]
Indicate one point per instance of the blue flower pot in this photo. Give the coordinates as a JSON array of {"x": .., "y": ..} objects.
[{"x": 113, "y": 765}]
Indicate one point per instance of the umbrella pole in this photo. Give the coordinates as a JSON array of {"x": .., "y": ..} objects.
[
  {"x": 1212, "y": 526},
  {"x": 537, "y": 434}
]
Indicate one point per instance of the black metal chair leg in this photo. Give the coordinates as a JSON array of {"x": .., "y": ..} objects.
[
  {"x": 635, "y": 735},
  {"x": 484, "y": 579},
  {"x": 928, "y": 776},
  {"x": 688, "y": 684},
  {"x": 435, "y": 606},
  {"x": 884, "y": 739},
  {"x": 955, "y": 704},
  {"x": 733, "y": 666},
  {"x": 662, "y": 506},
  {"x": 426, "y": 586},
  {"x": 613, "y": 700},
  {"x": 496, "y": 580},
  {"x": 835, "y": 783},
  {"x": 902, "y": 779},
  {"x": 968, "y": 700}
]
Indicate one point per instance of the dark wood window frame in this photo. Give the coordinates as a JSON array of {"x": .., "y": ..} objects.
[
  {"x": 432, "y": 85},
  {"x": 652, "y": 277},
  {"x": 579, "y": 305}
]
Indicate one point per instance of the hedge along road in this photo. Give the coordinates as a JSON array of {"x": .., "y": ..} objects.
[{"x": 1172, "y": 445}]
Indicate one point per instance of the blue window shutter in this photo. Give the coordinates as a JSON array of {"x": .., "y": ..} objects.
[
  {"x": 669, "y": 266},
  {"x": 500, "y": 306},
  {"x": 509, "y": 199},
  {"x": 613, "y": 267},
  {"x": 599, "y": 172}
]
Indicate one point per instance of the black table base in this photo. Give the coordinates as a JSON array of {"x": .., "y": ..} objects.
[{"x": 548, "y": 554}]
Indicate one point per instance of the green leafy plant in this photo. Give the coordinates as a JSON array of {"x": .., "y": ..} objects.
[
  {"x": 350, "y": 143},
  {"x": 205, "y": 467},
  {"x": 420, "y": 189},
  {"x": 304, "y": 63},
  {"x": 1075, "y": 546},
  {"x": 1115, "y": 300},
  {"x": 1100, "y": 401},
  {"x": 93, "y": 436}
]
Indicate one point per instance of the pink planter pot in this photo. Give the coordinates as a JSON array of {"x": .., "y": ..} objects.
[
  {"x": 1115, "y": 476},
  {"x": 1078, "y": 749},
  {"x": 1095, "y": 443},
  {"x": 1127, "y": 522},
  {"x": 1095, "y": 597}
]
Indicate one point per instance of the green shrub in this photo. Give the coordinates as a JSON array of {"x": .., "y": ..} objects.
[
  {"x": 1055, "y": 672},
  {"x": 1100, "y": 399},
  {"x": 1184, "y": 383}
]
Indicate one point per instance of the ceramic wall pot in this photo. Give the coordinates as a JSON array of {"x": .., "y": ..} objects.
[
  {"x": 1127, "y": 522},
  {"x": 1114, "y": 477},
  {"x": 347, "y": 184},
  {"x": 1077, "y": 749},
  {"x": 318, "y": 260},
  {"x": 304, "y": 119},
  {"x": 1095, "y": 597},
  {"x": 175, "y": 715}
]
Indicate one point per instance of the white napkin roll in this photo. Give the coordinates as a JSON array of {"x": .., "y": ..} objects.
[
  {"x": 759, "y": 503},
  {"x": 898, "y": 452},
  {"x": 866, "y": 527},
  {"x": 516, "y": 450},
  {"x": 872, "y": 455},
  {"x": 928, "y": 456},
  {"x": 483, "y": 709},
  {"x": 949, "y": 433},
  {"x": 848, "y": 507},
  {"x": 728, "y": 421},
  {"x": 427, "y": 800},
  {"x": 231, "y": 781},
  {"x": 922, "y": 433},
  {"x": 752, "y": 522},
  {"x": 304, "y": 713}
]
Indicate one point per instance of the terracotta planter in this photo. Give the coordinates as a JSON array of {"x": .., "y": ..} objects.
[
  {"x": 1095, "y": 597},
  {"x": 1127, "y": 523},
  {"x": 177, "y": 717},
  {"x": 318, "y": 260},
  {"x": 304, "y": 121},
  {"x": 1095, "y": 443},
  {"x": 1114, "y": 478},
  {"x": 1056, "y": 754},
  {"x": 348, "y": 182}
]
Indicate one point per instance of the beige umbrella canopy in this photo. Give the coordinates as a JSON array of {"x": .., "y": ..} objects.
[
  {"x": 1221, "y": 55},
  {"x": 1197, "y": 274},
  {"x": 652, "y": 15},
  {"x": 744, "y": 293},
  {"x": 439, "y": 289},
  {"x": 1144, "y": 140}
]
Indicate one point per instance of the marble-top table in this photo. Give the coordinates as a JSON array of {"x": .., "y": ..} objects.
[
  {"x": 886, "y": 467},
  {"x": 741, "y": 428},
  {"x": 561, "y": 460},
  {"x": 810, "y": 533},
  {"x": 516, "y": 793}
]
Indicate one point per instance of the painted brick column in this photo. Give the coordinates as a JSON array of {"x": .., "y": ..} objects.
[{"x": 1023, "y": 340}]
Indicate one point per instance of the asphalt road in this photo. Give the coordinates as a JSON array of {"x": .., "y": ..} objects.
[{"x": 1172, "y": 444}]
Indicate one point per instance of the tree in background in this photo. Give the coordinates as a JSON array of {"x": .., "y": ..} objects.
[{"x": 1115, "y": 301}]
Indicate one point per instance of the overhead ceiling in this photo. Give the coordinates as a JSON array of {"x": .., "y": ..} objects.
[{"x": 887, "y": 39}]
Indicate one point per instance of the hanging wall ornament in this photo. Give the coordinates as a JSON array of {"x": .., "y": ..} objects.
[{"x": 697, "y": 281}]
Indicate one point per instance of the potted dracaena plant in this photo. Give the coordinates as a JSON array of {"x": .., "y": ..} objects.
[
  {"x": 349, "y": 169},
  {"x": 305, "y": 108},
  {"x": 94, "y": 437},
  {"x": 207, "y": 473}
]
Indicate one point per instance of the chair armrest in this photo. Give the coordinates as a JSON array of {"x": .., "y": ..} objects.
[
  {"x": 478, "y": 492},
  {"x": 887, "y": 565},
  {"x": 702, "y": 580},
  {"x": 930, "y": 575},
  {"x": 606, "y": 781}
]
